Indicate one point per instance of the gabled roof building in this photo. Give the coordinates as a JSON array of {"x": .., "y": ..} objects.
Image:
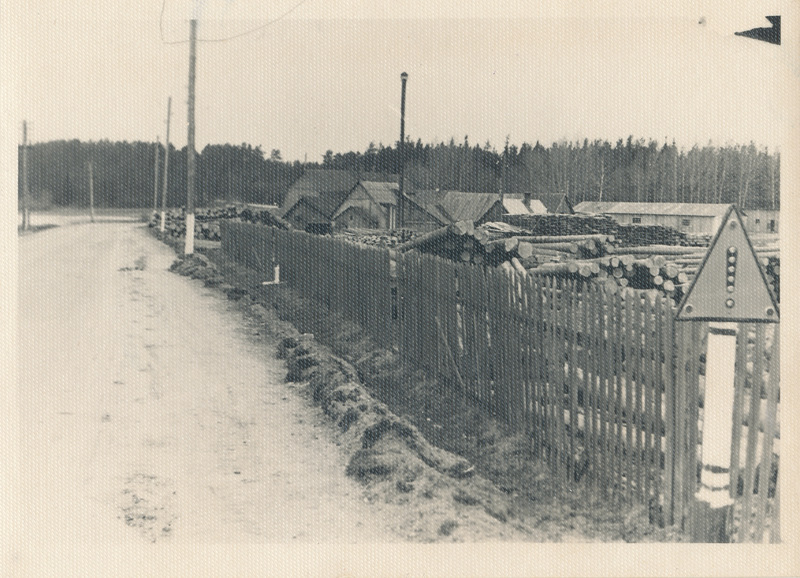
[
  {"x": 376, "y": 203},
  {"x": 447, "y": 207},
  {"x": 321, "y": 182}
]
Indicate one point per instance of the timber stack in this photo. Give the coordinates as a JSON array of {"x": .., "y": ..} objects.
[
  {"x": 207, "y": 220},
  {"x": 373, "y": 238},
  {"x": 460, "y": 241},
  {"x": 583, "y": 224},
  {"x": 590, "y": 257}
]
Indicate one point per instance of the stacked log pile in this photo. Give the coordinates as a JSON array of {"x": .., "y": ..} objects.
[
  {"x": 591, "y": 257},
  {"x": 460, "y": 241},
  {"x": 625, "y": 235},
  {"x": 493, "y": 245},
  {"x": 374, "y": 238},
  {"x": 206, "y": 224}
]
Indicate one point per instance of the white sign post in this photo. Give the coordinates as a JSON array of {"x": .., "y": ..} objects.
[
  {"x": 729, "y": 287},
  {"x": 709, "y": 521}
]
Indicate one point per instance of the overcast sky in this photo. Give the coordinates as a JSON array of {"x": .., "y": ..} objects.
[{"x": 326, "y": 74}]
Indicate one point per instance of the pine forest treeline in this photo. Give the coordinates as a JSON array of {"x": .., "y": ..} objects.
[{"x": 629, "y": 170}]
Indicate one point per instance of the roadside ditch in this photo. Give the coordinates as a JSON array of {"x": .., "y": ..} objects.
[{"x": 415, "y": 441}]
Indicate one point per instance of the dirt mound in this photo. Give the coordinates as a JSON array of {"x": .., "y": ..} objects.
[{"x": 389, "y": 453}]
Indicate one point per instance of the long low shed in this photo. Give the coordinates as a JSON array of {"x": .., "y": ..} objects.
[{"x": 686, "y": 217}]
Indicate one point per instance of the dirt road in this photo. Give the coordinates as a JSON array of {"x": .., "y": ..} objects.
[{"x": 151, "y": 412}]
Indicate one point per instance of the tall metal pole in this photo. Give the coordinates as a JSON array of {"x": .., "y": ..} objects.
[
  {"x": 166, "y": 169},
  {"x": 189, "y": 247},
  {"x": 155, "y": 181},
  {"x": 401, "y": 205},
  {"x": 26, "y": 214},
  {"x": 91, "y": 192},
  {"x": 503, "y": 168}
]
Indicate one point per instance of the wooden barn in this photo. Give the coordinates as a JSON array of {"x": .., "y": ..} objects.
[
  {"x": 315, "y": 213},
  {"x": 320, "y": 182},
  {"x": 687, "y": 217},
  {"x": 370, "y": 205},
  {"x": 446, "y": 207},
  {"x": 422, "y": 218}
]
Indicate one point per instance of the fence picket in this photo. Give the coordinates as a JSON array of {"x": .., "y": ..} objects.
[
  {"x": 681, "y": 421},
  {"x": 775, "y": 526},
  {"x": 531, "y": 351},
  {"x": 628, "y": 443},
  {"x": 550, "y": 360},
  {"x": 573, "y": 384},
  {"x": 670, "y": 427},
  {"x": 638, "y": 405},
  {"x": 601, "y": 365},
  {"x": 538, "y": 363},
  {"x": 693, "y": 391},
  {"x": 648, "y": 379},
  {"x": 562, "y": 395},
  {"x": 768, "y": 437},
  {"x": 589, "y": 364},
  {"x": 515, "y": 351}
]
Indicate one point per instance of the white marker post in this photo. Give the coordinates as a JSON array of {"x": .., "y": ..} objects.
[
  {"x": 710, "y": 519},
  {"x": 726, "y": 290}
]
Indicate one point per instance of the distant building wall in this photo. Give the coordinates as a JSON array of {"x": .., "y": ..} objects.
[
  {"x": 302, "y": 214},
  {"x": 355, "y": 217},
  {"x": 417, "y": 219},
  {"x": 493, "y": 214},
  {"x": 685, "y": 223},
  {"x": 762, "y": 221}
]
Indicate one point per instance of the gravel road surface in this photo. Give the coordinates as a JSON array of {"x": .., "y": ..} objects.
[{"x": 151, "y": 411}]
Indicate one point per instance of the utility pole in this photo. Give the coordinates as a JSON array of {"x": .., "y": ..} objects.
[
  {"x": 155, "y": 182},
  {"x": 503, "y": 168},
  {"x": 189, "y": 247},
  {"x": 91, "y": 192},
  {"x": 166, "y": 169},
  {"x": 401, "y": 205},
  {"x": 26, "y": 214}
]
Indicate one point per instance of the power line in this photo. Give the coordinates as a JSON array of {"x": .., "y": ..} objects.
[{"x": 251, "y": 31}]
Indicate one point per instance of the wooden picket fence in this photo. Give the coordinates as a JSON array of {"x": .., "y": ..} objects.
[
  {"x": 756, "y": 434},
  {"x": 607, "y": 386},
  {"x": 579, "y": 370},
  {"x": 348, "y": 278}
]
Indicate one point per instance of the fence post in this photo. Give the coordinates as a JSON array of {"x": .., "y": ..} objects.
[{"x": 668, "y": 369}]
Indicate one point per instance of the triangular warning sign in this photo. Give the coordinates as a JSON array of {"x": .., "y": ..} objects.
[{"x": 730, "y": 284}]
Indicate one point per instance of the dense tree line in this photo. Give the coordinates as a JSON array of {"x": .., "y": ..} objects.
[
  {"x": 124, "y": 174},
  {"x": 629, "y": 170}
]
